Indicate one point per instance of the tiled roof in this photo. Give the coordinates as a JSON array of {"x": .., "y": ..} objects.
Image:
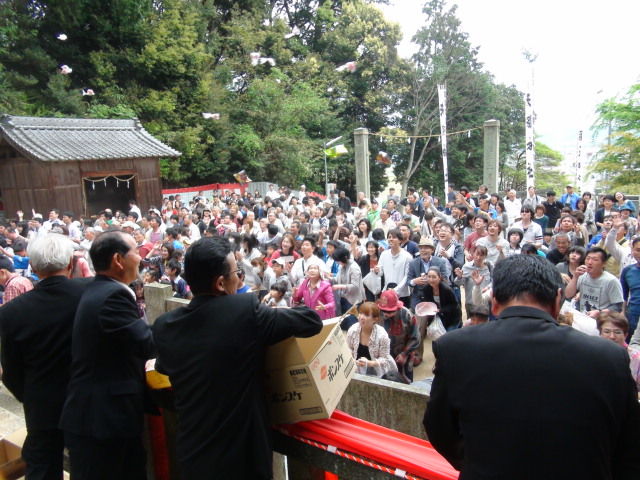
[{"x": 60, "y": 139}]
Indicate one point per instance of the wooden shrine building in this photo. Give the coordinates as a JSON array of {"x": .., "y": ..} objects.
[{"x": 77, "y": 164}]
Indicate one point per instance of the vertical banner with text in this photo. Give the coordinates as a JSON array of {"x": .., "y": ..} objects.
[
  {"x": 442, "y": 101},
  {"x": 579, "y": 185},
  {"x": 530, "y": 144}
]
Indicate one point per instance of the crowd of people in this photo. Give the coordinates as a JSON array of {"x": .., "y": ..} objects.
[{"x": 393, "y": 268}]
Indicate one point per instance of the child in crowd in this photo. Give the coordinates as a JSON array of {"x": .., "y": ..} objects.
[
  {"x": 275, "y": 297},
  {"x": 180, "y": 287}
]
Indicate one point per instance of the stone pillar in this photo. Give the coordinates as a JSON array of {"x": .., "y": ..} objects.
[
  {"x": 491, "y": 154},
  {"x": 155, "y": 296},
  {"x": 361, "y": 141}
]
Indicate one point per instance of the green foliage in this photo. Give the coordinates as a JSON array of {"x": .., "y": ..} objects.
[
  {"x": 168, "y": 61},
  {"x": 549, "y": 175},
  {"x": 619, "y": 159}
]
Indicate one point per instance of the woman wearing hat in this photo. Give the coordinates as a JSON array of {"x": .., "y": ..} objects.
[{"x": 402, "y": 328}]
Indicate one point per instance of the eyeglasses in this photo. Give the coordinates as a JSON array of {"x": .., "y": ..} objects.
[
  {"x": 606, "y": 331},
  {"x": 236, "y": 271}
]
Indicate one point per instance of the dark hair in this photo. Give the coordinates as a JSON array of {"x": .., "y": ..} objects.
[
  {"x": 579, "y": 249},
  {"x": 450, "y": 227},
  {"x": 527, "y": 208},
  {"x": 519, "y": 276},
  {"x": 205, "y": 261},
  {"x": 396, "y": 233},
  {"x": 394, "y": 376},
  {"x": 174, "y": 265},
  {"x": 479, "y": 311},
  {"x": 7, "y": 264},
  {"x": 603, "y": 254},
  {"x": 341, "y": 254},
  {"x": 69, "y": 214},
  {"x": 609, "y": 197},
  {"x": 529, "y": 249},
  {"x": 279, "y": 287},
  {"x": 250, "y": 241},
  {"x": 170, "y": 249},
  {"x": 517, "y": 231},
  {"x": 378, "y": 234},
  {"x": 377, "y": 246},
  {"x": 311, "y": 240},
  {"x": 155, "y": 274},
  {"x": 367, "y": 223},
  {"x": 105, "y": 246},
  {"x": 273, "y": 229}
]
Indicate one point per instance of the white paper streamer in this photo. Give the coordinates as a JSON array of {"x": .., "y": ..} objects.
[{"x": 442, "y": 100}]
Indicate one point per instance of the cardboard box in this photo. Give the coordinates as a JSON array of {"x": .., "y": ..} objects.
[
  {"x": 306, "y": 377},
  {"x": 155, "y": 380},
  {"x": 11, "y": 464}
]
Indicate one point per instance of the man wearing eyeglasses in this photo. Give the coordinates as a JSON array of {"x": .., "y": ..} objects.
[{"x": 214, "y": 353}]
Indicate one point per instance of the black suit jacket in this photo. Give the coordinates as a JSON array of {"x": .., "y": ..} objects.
[
  {"x": 109, "y": 348},
  {"x": 526, "y": 398},
  {"x": 214, "y": 353},
  {"x": 35, "y": 330}
]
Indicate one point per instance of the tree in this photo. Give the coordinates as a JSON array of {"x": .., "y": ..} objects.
[
  {"x": 445, "y": 56},
  {"x": 549, "y": 175},
  {"x": 619, "y": 158}
]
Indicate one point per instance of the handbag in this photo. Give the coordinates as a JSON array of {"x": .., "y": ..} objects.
[{"x": 436, "y": 328}]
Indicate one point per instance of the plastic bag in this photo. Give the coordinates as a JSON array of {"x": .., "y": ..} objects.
[
  {"x": 372, "y": 282},
  {"x": 436, "y": 329}
]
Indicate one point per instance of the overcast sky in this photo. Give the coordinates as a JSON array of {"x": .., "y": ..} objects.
[{"x": 583, "y": 48}]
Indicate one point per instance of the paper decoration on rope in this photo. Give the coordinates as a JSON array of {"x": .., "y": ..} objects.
[
  {"x": 383, "y": 158},
  {"x": 212, "y": 116},
  {"x": 88, "y": 92},
  {"x": 61, "y": 36},
  {"x": 242, "y": 177},
  {"x": 104, "y": 179},
  {"x": 65, "y": 70},
  {"x": 294, "y": 31},
  {"x": 257, "y": 59},
  {"x": 442, "y": 100},
  {"x": 336, "y": 151},
  {"x": 350, "y": 66}
]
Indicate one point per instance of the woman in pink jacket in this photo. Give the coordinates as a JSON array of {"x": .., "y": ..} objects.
[{"x": 315, "y": 293}]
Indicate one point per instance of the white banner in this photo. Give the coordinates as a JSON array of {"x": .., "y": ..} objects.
[
  {"x": 530, "y": 144},
  {"x": 579, "y": 163},
  {"x": 442, "y": 100}
]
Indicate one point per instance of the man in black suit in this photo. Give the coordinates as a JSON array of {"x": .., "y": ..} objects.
[
  {"x": 524, "y": 397},
  {"x": 214, "y": 353},
  {"x": 35, "y": 329},
  {"x": 103, "y": 416}
]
